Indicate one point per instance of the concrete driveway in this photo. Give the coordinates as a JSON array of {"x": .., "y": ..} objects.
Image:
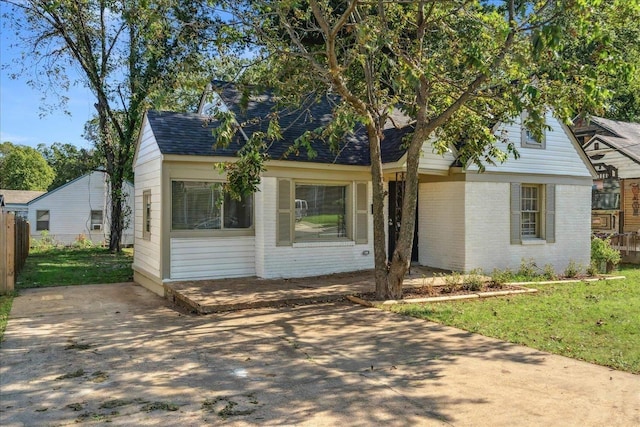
[{"x": 118, "y": 355}]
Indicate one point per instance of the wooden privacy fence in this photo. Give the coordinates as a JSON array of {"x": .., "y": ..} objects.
[{"x": 14, "y": 249}]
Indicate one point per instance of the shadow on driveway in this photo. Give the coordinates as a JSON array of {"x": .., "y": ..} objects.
[{"x": 120, "y": 355}]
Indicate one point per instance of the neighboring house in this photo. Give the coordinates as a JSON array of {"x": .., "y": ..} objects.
[
  {"x": 16, "y": 201},
  {"x": 614, "y": 149},
  {"x": 312, "y": 216},
  {"x": 79, "y": 209}
]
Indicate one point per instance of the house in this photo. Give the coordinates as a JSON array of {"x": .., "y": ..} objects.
[
  {"x": 614, "y": 149},
  {"x": 78, "y": 209},
  {"x": 16, "y": 201},
  {"x": 312, "y": 215}
]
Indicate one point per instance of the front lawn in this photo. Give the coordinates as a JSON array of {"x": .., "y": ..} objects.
[
  {"x": 74, "y": 266},
  {"x": 593, "y": 321}
]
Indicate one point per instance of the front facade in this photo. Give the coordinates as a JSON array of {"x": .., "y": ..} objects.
[
  {"x": 78, "y": 210},
  {"x": 313, "y": 216}
]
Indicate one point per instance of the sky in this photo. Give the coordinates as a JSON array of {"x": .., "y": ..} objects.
[{"x": 20, "y": 121}]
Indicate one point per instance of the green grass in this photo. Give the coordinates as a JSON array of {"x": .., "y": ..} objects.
[
  {"x": 323, "y": 220},
  {"x": 5, "y": 308},
  {"x": 72, "y": 266},
  {"x": 593, "y": 321}
]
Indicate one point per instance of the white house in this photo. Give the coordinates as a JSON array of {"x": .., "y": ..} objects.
[
  {"x": 79, "y": 209},
  {"x": 312, "y": 216},
  {"x": 17, "y": 201}
]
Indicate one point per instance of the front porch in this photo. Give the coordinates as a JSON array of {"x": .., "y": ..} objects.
[{"x": 211, "y": 296}]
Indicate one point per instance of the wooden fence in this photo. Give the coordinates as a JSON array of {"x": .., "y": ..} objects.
[{"x": 14, "y": 249}]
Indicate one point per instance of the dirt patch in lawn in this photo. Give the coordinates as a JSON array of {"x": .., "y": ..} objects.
[{"x": 429, "y": 291}]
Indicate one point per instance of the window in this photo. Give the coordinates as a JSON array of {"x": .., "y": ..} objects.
[
  {"x": 96, "y": 220},
  {"x": 42, "y": 220},
  {"x": 146, "y": 215},
  {"x": 532, "y": 212},
  {"x": 201, "y": 205},
  {"x": 320, "y": 212},
  {"x": 528, "y": 138}
]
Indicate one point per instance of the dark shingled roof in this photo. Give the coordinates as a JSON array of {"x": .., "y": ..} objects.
[{"x": 190, "y": 133}]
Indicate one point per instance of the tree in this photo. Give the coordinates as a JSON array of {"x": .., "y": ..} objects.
[
  {"x": 23, "y": 168},
  {"x": 128, "y": 53},
  {"x": 614, "y": 39},
  {"x": 454, "y": 68},
  {"x": 67, "y": 161}
]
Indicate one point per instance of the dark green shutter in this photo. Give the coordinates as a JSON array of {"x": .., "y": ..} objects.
[
  {"x": 283, "y": 228},
  {"x": 516, "y": 218},
  {"x": 362, "y": 214},
  {"x": 550, "y": 213}
]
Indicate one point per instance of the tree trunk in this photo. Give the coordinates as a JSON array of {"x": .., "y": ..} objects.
[{"x": 117, "y": 213}]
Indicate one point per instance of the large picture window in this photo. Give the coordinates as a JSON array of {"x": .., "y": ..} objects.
[
  {"x": 202, "y": 205},
  {"x": 320, "y": 212}
]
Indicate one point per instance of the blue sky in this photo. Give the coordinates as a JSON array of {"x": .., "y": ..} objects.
[{"x": 20, "y": 121}]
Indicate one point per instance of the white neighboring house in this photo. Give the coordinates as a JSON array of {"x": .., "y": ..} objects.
[
  {"x": 16, "y": 201},
  {"x": 534, "y": 208},
  {"x": 79, "y": 208}
]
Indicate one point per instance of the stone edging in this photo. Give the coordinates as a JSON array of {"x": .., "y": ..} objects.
[{"x": 366, "y": 303}]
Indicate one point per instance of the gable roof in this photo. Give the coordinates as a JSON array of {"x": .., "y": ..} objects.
[
  {"x": 66, "y": 184},
  {"x": 191, "y": 133},
  {"x": 621, "y": 136},
  {"x": 19, "y": 196}
]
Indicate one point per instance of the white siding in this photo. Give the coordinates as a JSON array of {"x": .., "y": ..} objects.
[
  {"x": 487, "y": 224},
  {"x": 627, "y": 168},
  {"x": 559, "y": 157},
  {"x": 434, "y": 162},
  {"x": 303, "y": 260},
  {"x": 441, "y": 225},
  {"x": 147, "y": 253},
  {"x": 70, "y": 209},
  {"x": 212, "y": 258},
  {"x": 147, "y": 149}
]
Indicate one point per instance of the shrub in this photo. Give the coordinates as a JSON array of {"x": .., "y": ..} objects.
[
  {"x": 501, "y": 277},
  {"x": 452, "y": 282},
  {"x": 572, "y": 269},
  {"x": 605, "y": 257},
  {"x": 45, "y": 242},
  {"x": 82, "y": 242},
  {"x": 528, "y": 269},
  {"x": 474, "y": 280},
  {"x": 549, "y": 272}
]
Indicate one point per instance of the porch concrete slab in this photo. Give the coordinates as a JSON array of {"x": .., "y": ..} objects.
[
  {"x": 119, "y": 355},
  {"x": 211, "y": 296}
]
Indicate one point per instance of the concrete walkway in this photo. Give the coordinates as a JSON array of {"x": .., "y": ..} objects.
[
  {"x": 119, "y": 355},
  {"x": 213, "y": 296}
]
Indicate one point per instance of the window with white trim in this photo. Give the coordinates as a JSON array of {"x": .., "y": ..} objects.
[
  {"x": 532, "y": 212},
  {"x": 320, "y": 212},
  {"x": 146, "y": 214},
  {"x": 202, "y": 205},
  {"x": 528, "y": 139},
  {"x": 42, "y": 220},
  {"x": 96, "y": 220},
  {"x": 310, "y": 211}
]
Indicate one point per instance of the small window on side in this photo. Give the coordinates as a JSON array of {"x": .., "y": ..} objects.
[
  {"x": 528, "y": 139},
  {"x": 146, "y": 215},
  {"x": 97, "y": 220},
  {"x": 42, "y": 220}
]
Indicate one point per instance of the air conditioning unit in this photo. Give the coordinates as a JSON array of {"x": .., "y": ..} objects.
[{"x": 97, "y": 227}]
